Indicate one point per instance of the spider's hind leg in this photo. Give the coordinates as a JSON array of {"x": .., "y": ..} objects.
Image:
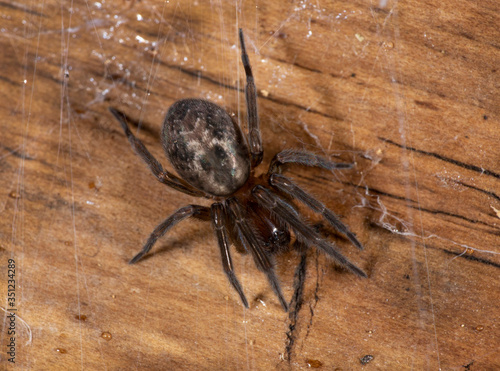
[{"x": 299, "y": 277}]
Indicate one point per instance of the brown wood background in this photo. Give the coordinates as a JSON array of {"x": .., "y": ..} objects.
[{"x": 408, "y": 91}]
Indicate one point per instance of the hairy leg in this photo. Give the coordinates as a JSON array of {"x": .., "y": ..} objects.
[
  {"x": 219, "y": 224},
  {"x": 254, "y": 135},
  {"x": 252, "y": 243},
  {"x": 161, "y": 229},
  {"x": 274, "y": 203},
  {"x": 154, "y": 165},
  {"x": 287, "y": 186},
  {"x": 301, "y": 157}
]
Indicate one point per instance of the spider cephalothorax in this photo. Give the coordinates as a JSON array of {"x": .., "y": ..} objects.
[{"x": 210, "y": 153}]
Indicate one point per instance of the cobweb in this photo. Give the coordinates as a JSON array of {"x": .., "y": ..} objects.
[{"x": 343, "y": 80}]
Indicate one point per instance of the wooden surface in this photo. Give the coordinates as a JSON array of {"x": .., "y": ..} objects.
[{"x": 408, "y": 91}]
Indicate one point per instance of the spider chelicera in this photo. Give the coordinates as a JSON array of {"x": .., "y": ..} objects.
[{"x": 216, "y": 161}]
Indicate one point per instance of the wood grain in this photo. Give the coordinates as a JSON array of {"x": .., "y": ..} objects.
[{"x": 407, "y": 91}]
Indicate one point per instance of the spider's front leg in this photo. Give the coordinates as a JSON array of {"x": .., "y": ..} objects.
[
  {"x": 287, "y": 186},
  {"x": 154, "y": 165},
  {"x": 275, "y": 204},
  {"x": 254, "y": 136},
  {"x": 301, "y": 157}
]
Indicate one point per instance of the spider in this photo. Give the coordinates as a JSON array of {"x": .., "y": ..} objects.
[{"x": 216, "y": 161}]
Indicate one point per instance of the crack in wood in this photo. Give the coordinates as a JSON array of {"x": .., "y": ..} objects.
[
  {"x": 16, "y": 153},
  {"x": 198, "y": 74},
  {"x": 472, "y": 258},
  {"x": 443, "y": 158},
  {"x": 492, "y": 194},
  {"x": 430, "y": 211},
  {"x": 432, "y": 247},
  {"x": 22, "y": 8}
]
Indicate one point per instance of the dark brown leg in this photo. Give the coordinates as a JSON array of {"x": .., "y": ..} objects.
[
  {"x": 286, "y": 186},
  {"x": 219, "y": 225},
  {"x": 254, "y": 135},
  {"x": 160, "y": 230}
]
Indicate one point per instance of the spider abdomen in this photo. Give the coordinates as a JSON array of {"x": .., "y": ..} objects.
[{"x": 206, "y": 147}]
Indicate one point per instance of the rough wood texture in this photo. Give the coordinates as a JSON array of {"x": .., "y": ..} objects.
[{"x": 408, "y": 91}]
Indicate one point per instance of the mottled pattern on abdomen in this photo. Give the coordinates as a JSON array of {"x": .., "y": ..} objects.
[{"x": 206, "y": 147}]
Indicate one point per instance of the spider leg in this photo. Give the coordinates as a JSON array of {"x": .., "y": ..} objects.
[
  {"x": 254, "y": 135},
  {"x": 287, "y": 186},
  {"x": 274, "y": 203},
  {"x": 154, "y": 165},
  {"x": 162, "y": 228},
  {"x": 219, "y": 224},
  {"x": 235, "y": 236},
  {"x": 303, "y": 158},
  {"x": 252, "y": 243},
  {"x": 298, "y": 281}
]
